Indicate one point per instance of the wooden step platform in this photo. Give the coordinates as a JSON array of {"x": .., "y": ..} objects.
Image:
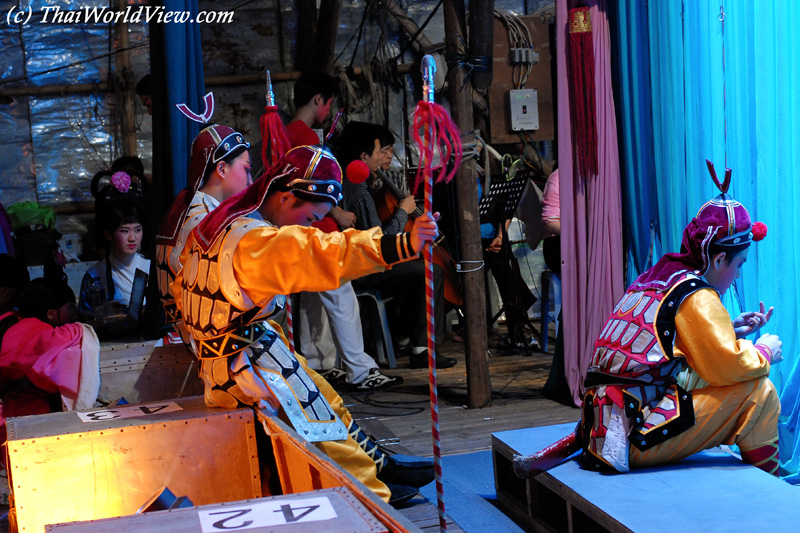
[{"x": 709, "y": 491}]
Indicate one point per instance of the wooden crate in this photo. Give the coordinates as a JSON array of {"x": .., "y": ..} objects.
[
  {"x": 302, "y": 468},
  {"x": 83, "y": 465},
  {"x": 333, "y": 510},
  {"x": 141, "y": 372}
]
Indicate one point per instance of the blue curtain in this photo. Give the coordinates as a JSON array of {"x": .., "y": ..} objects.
[
  {"x": 741, "y": 112},
  {"x": 185, "y": 84},
  {"x": 634, "y": 110}
]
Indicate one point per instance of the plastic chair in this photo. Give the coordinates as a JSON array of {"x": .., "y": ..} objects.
[
  {"x": 550, "y": 280},
  {"x": 378, "y": 326}
]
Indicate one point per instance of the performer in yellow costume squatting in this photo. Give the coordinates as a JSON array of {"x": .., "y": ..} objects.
[
  {"x": 235, "y": 275},
  {"x": 670, "y": 318}
]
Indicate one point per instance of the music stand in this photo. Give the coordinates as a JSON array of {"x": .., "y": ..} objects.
[{"x": 497, "y": 205}]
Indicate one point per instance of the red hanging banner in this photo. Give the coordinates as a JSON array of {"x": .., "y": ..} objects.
[{"x": 582, "y": 91}]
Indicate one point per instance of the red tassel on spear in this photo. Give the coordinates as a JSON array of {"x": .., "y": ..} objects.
[
  {"x": 434, "y": 123},
  {"x": 274, "y": 141},
  {"x": 581, "y": 91},
  {"x": 433, "y": 128}
]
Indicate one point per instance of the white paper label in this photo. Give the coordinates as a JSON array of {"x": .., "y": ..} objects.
[
  {"x": 128, "y": 411},
  {"x": 265, "y": 514}
]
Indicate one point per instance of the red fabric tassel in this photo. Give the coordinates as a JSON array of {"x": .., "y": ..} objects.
[
  {"x": 582, "y": 91},
  {"x": 274, "y": 141},
  {"x": 431, "y": 118}
]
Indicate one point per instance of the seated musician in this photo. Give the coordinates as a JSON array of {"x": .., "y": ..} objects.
[
  {"x": 328, "y": 323},
  {"x": 635, "y": 413},
  {"x": 406, "y": 281}
]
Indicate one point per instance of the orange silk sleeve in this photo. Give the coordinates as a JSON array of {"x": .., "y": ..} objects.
[
  {"x": 270, "y": 260},
  {"x": 707, "y": 340}
]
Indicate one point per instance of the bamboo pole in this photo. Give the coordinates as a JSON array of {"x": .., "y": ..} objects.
[
  {"x": 423, "y": 44},
  {"x": 408, "y": 25},
  {"x": 479, "y": 389},
  {"x": 124, "y": 76},
  {"x": 210, "y": 81}
]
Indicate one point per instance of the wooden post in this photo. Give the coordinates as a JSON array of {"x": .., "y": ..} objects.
[
  {"x": 124, "y": 82},
  {"x": 306, "y": 29},
  {"x": 481, "y": 40},
  {"x": 325, "y": 39},
  {"x": 479, "y": 387}
]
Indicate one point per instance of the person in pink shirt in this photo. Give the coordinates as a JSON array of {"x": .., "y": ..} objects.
[
  {"x": 48, "y": 362},
  {"x": 551, "y": 220}
]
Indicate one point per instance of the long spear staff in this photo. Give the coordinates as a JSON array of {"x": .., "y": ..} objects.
[{"x": 438, "y": 131}]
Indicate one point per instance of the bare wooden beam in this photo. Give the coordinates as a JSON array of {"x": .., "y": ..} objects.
[
  {"x": 479, "y": 388},
  {"x": 53, "y": 90},
  {"x": 210, "y": 81}
]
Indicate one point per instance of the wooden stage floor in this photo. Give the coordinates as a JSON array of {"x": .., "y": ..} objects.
[{"x": 399, "y": 417}]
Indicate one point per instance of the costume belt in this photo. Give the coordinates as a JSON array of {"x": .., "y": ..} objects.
[
  {"x": 596, "y": 379},
  {"x": 231, "y": 343},
  {"x": 279, "y": 370}
]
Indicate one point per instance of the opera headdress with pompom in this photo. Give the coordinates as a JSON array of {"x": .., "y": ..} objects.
[{"x": 722, "y": 223}]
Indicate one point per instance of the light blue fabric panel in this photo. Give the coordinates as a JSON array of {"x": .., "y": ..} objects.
[
  {"x": 741, "y": 112},
  {"x": 669, "y": 138},
  {"x": 776, "y": 195}
]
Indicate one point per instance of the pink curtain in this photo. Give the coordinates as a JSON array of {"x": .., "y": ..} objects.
[{"x": 591, "y": 210}]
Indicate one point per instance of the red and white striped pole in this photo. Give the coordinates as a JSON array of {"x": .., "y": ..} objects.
[
  {"x": 438, "y": 133},
  {"x": 289, "y": 325},
  {"x": 428, "y": 75}
]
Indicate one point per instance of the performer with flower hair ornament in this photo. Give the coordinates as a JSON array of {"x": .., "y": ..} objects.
[
  {"x": 120, "y": 219},
  {"x": 635, "y": 411}
]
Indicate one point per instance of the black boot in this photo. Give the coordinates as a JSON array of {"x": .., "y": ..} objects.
[
  {"x": 412, "y": 472},
  {"x": 400, "y": 495}
]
